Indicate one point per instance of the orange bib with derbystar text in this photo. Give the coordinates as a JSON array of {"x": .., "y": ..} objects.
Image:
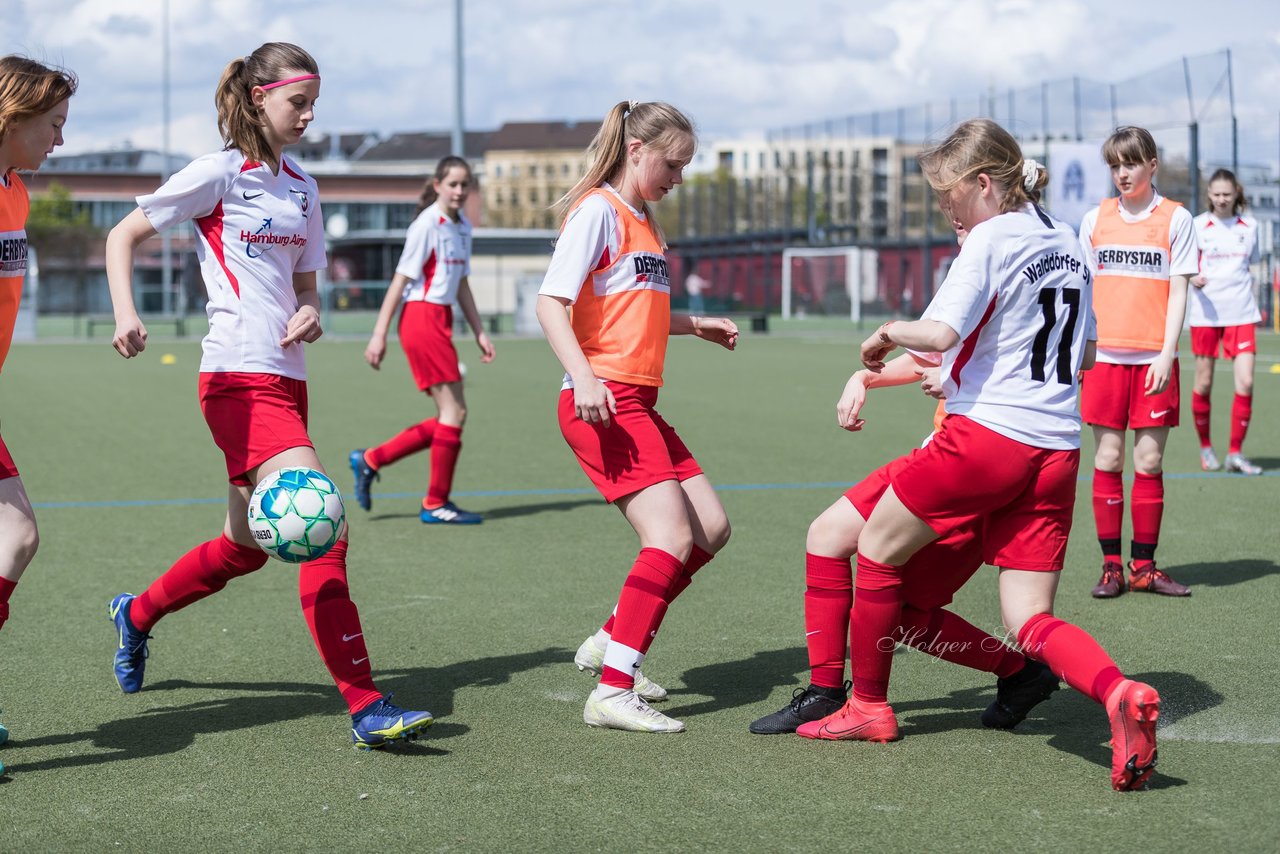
[{"x": 1131, "y": 290}]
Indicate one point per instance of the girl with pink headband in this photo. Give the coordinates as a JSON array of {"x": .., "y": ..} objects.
[{"x": 260, "y": 243}]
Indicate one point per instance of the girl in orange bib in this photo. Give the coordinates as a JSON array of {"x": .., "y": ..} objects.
[
  {"x": 33, "y": 109},
  {"x": 1142, "y": 249},
  {"x": 609, "y": 266}
]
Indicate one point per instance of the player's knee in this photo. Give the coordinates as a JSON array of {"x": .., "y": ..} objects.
[
  {"x": 827, "y": 538},
  {"x": 718, "y": 534},
  {"x": 1244, "y": 387},
  {"x": 25, "y": 540},
  {"x": 1148, "y": 462},
  {"x": 1108, "y": 459}
]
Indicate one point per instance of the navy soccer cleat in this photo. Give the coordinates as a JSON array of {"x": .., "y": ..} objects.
[
  {"x": 450, "y": 514},
  {"x": 365, "y": 476},
  {"x": 381, "y": 723},
  {"x": 131, "y": 648}
]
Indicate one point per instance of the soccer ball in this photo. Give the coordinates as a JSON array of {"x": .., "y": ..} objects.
[{"x": 296, "y": 514}]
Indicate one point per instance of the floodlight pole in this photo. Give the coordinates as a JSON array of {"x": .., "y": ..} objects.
[{"x": 458, "y": 138}]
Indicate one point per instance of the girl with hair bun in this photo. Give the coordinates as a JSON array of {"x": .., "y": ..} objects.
[
  {"x": 1014, "y": 325},
  {"x": 260, "y": 242}
]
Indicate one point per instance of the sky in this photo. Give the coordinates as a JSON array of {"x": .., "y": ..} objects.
[{"x": 738, "y": 67}]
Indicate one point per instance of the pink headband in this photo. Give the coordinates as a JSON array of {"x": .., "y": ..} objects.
[{"x": 289, "y": 80}]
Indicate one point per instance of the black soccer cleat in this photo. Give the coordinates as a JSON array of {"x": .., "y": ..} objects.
[
  {"x": 807, "y": 704},
  {"x": 1018, "y": 694}
]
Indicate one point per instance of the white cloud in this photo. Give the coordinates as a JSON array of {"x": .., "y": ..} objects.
[{"x": 736, "y": 66}]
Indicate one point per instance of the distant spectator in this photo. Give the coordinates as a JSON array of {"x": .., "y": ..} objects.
[{"x": 694, "y": 286}]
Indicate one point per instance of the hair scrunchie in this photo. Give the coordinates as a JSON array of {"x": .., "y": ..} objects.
[{"x": 1030, "y": 174}]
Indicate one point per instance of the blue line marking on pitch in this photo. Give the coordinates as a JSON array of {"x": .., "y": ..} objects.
[{"x": 517, "y": 493}]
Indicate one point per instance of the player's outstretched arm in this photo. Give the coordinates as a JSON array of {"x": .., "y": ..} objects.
[
  {"x": 130, "y": 337},
  {"x": 718, "y": 330},
  {"x": 926, "y": 336},
  {"x": 907, "y": 368}
]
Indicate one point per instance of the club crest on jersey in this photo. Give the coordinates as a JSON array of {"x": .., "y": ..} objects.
[
  {"x": 260, "y": 242},
  {"x": 300, "y": 196}
]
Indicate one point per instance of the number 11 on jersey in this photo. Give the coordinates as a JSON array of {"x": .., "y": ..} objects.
[{"x": 1048, "y": 308}]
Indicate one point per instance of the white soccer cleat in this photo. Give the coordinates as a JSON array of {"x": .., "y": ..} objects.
[
  {"x": 610, "y": 708},
  {"x": 590, "y": 659},
  {"x": 1240, "y": 463},
  {"x": 1209, "y": 460}
]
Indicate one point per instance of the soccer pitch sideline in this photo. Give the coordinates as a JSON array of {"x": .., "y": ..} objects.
[{"x": 239, "y": 740}]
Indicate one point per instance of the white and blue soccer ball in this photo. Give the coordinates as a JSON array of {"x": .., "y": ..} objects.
[{"x": 296, "y": 514}]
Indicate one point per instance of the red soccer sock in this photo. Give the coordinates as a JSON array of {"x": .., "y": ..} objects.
[
  {"x": 1147, "y": 510},
  {"x": 1072, "y": 653},
  {"x": 406, "y": 442},
  {"x": 334, "y": 622},
  {"x": 1241, "y": 414},
  {"x": 645, "y": 596},
  {"x": 828, "y": 598},
  {"x": 949, "y": 637},
  {"x": 1201, "y": 407},
  {"x": 444, "y": 456},
  {"x": 873, "y": 622},
  {"x": 201, "y": 572},
  {"x": 6, "y": 590},
  {"x": 1108, "y": 510},
  {"x": 698, "y": 558}
]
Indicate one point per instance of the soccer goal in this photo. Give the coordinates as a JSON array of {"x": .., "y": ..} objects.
[{"x": 826, "y": 281}]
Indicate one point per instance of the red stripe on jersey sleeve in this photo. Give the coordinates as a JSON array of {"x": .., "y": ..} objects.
[
  {"x": 970, "y": 343},
  {"x": 211, "y": 227}
]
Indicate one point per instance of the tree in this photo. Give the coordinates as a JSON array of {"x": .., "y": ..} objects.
[{"x": 63, "y": 236}]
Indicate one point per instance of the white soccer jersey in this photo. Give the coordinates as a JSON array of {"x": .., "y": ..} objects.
[
  {"x": 1183, "y": 261},
  {"x": 255, "y": 231},
  {"x": 1227, "y": 248},
  {"x": 436, "y": 256},
  {"x": 1021, "y": 298}
]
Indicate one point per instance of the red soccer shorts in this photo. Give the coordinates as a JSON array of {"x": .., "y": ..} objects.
[
  {"x": 253, "y": 417},
  {"x": 1234, "y": 340},
  {"x": 8, "y": 468},
  {"x": 1112, "y": 396},
  {"x": 426, "y": 334},
  {"x": 970, "y": 474},
  {"x": 933, "y": 575},
  {"x": 637, "y": 450}
]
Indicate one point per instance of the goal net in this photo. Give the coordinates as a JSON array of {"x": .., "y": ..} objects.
[{"x": 826, "y": 281}]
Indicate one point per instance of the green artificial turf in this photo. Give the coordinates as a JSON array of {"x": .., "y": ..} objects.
[{"x": 239, "y": 740}]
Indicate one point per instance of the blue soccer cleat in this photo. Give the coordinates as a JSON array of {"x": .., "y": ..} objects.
[
  {"x": 131, "y": 650},
  {"x": 449, "y": 514},
  {"x": 4, "y": 736},
  {"x": 380, "y": 723},
  {"x": 365, "y": 476}
]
